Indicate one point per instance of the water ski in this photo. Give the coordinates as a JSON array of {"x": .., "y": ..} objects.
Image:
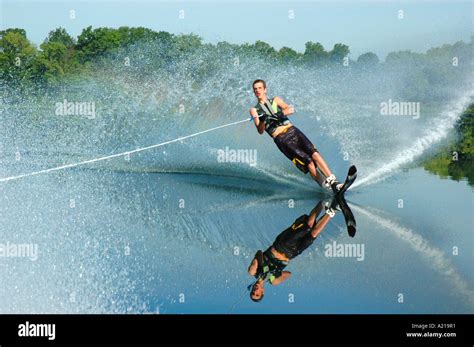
[
  {"x": 351, "y": 177},
  {"x": 347, "y": 213}
]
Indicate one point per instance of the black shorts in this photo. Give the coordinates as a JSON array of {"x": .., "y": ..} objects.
[
  {"x": 294, "y": 240},
  {"x": 296, "y": 147}
]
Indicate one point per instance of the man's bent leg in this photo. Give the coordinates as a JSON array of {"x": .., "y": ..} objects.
[
  {"x": 315, "y": 173},
  {"x": 306, "y": 146},
  {"x": 320, "y": 225},
  {"x": 315, "y": 214},
  {"x": 321, "y": 164}
]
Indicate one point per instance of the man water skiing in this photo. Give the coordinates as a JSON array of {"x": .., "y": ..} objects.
[
  {"x": 268, "y": 266},
  {"x": 271, "y": 115}
]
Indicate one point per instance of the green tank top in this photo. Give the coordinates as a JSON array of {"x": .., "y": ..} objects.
[
  {"x": 272, "y": 115},
  {"x": 269, "y": 268}
]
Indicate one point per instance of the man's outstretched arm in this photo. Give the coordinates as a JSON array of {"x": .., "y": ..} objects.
[
  {"x": 253, "y": 267},
  {"x": 258, "y": 122}
]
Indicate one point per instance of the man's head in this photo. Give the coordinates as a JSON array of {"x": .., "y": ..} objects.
[
  {"x": 259, "y": 89},
  {"x": 258, "y": 291}
]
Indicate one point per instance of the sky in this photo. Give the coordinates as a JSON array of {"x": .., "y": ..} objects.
[{"x": 364, "y": 25}]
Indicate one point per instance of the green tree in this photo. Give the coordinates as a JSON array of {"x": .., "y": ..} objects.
[
  {"x": 368, "y": 59},
  {"x": 443, "y": 164},
  {"x": 133, "y": 35},
  {"x": 187, "y": 43},
  {"x": 93, "y": 42},
  {"x": 22, "y": 32},
  {"x": 51, "y": 62},
  {"x": 56, "y": 56},
  {"x": 287, "y": 55},
  {"x": 264, "y": 49},
  {"x": 60, "y": 35},
  {"x": 314, "y": 53},
  {"x": 16, "y": 55},
  {"x": 466, "y": 128},
  {"x": 403, "y": 57},
  {"x": 339, "y": 52}
]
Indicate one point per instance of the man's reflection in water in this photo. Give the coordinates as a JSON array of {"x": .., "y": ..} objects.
[{"x": 269, "y": 265}]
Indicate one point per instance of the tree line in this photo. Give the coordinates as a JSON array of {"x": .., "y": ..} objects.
[{"x": 60, "y": 54}]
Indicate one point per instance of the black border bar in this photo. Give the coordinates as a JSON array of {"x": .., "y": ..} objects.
[{"x": 245, "y": 329}]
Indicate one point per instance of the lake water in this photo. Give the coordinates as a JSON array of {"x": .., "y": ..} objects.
[{"x": 181, "y": 243}]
